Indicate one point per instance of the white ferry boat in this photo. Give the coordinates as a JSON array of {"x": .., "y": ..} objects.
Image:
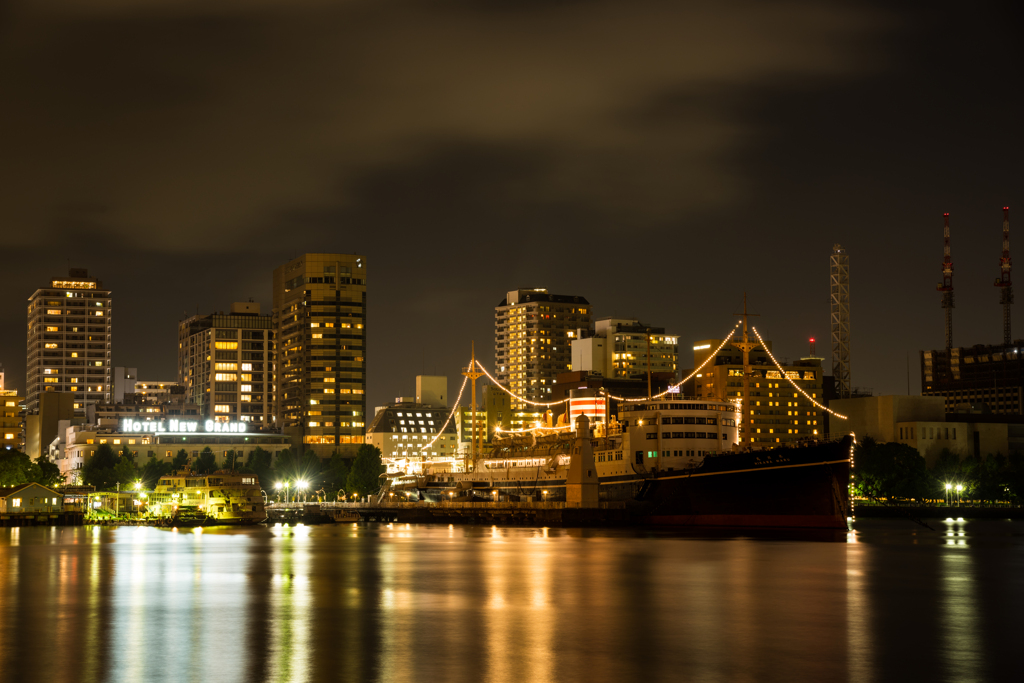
[{"x": 226, "y": 497}]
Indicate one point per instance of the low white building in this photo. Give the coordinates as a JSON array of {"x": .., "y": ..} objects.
[
  {"x": 922, "y": 423},
  {"x": 30, "y": 498}
]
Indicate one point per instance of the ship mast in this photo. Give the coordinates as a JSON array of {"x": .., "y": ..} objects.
[
  {"x": 473, "y": 374},
  {"x": 746, "y": 346}
]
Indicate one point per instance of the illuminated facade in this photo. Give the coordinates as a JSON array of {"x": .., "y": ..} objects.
[
  {"x": 12, "y": 421},
  {"x": 319, "y": 319},
  {"x": 226, "y": 364},
  {"x": 162, "y": 439},
  {"x": 778, "y": 413},
  {"x": 619, "y": 348},
  {"x": 533, "y": 332},
  {"x": 410, "y": 434},
  {"x": 69, "y": 341}
]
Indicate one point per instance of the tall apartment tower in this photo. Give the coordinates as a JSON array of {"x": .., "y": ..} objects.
[
  {"x": 226, "y": 364},
  {"x": 320, "y": 324},
  {"x": 69, "y": 341},
  {"x": 533, "y": 333}
]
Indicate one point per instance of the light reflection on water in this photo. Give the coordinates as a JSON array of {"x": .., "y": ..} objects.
[{"x": 396, "y": 602}]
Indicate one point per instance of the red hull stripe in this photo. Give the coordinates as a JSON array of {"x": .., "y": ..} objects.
[{"x": 752, "y": 521}]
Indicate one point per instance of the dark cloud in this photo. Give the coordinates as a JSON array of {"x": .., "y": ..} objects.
[{"x": 655, "y": 157}]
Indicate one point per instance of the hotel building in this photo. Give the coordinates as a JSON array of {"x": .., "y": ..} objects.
[
  {"x": 533, "y": 330},
  {"x": 410, "y": 434},
  {"x": 69, "y": 341},
  {"x": 776, "y": 413},
  {"x": 320, "y": 325},
  {"x": 226, "y": 364},
  {"x": 162, "y": 438}
]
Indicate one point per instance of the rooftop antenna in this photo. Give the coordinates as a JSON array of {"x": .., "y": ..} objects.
[
  {"x": 946, "y": 286},
  {"x": 1003, "y": 281}
]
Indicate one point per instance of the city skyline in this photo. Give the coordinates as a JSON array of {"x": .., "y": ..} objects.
[{"x": 724, "y": 167}]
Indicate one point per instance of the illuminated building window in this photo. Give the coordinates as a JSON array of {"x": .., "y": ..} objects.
[
  {"x": 53, "y": 311},
  {"x": 222, "y": 408},
  {"x": 52, "y": 329},
  {"x": 225, "y": 366},
  {"x": 246, "y": 367},
  {"x": 226, "y": 345},
  {"x": 247, "y": 398},
  {"x": 225, "y": 377}
]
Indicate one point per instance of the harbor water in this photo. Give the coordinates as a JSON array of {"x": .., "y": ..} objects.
[{"x": 891, "y": 600}]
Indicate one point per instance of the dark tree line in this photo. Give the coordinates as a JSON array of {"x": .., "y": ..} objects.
[
  {"x": 360, "y": 476},
  {"x": 17, "y": 468},
  {"x": 897, "y": 471}
]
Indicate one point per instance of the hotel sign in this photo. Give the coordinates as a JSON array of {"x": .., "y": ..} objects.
[{"x": 130, "y": 426}]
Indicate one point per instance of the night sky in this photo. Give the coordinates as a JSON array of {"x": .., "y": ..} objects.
[{"x": 656, "y": 158}]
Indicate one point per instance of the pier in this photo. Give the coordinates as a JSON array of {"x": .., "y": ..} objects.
[{"x": 505, "y": 513}]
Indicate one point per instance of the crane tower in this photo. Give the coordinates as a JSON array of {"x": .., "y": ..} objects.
[
  {"x": 1003, "y": 281},
  {"x": 840, "y": 309},
  {"x": 946, "y": 286}
]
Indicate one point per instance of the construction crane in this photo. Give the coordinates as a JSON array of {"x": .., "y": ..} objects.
[
  {"x": 946, "y": 286},
  {"x": 1003, "y": 281}
]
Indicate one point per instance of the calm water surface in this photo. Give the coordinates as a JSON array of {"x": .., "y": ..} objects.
[{"x": 889, "y": 601}]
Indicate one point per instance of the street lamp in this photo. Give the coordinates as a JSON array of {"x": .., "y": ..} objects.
[
  {"x": 301, "y": 484},
  {"x": 545, "y": 496},
  {"x": 285, "y": 485},
  {"x": 959, "y": 488},
  {"x": 948, "y": 487}
]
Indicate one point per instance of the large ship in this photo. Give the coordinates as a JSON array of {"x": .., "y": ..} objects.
[
  {"x": 225, "y": 497},
  {"x": 670, "y": 461}
]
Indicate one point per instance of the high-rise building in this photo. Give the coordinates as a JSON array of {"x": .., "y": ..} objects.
[
  {"x": 320, "y": 323},
  {"x": 778, "y": 413},
  {"x": 12, "y": 420},
  {"x": 533, "y": 330},
  {"x": 992, "y": 376},
  {"x": 621, "y": 348},
  {"x": 69, "y": 341},
  {"x": 226, "y": 364}
]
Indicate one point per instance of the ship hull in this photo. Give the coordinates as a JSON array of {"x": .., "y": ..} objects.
[{"x": 781, "y": 488}]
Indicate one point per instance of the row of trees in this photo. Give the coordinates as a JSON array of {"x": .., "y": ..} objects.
[
  {"x": 17, "y": 468},
  {"x": 898, "y": 472},
  {"x": 107, "y": 469}
]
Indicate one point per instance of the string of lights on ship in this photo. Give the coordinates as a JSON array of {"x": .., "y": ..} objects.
[{"x": 673, "y": 389}]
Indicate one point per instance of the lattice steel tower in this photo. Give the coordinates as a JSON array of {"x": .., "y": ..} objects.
[
  {"x": 946, "y": 286},
  {"x": 840, "y": 304},
  {"x": 1003, "y": 281}
]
